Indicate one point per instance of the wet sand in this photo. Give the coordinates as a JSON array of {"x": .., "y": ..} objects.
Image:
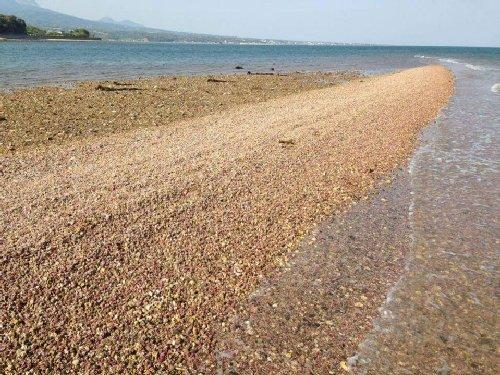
[{"x": 132, "y": 251}]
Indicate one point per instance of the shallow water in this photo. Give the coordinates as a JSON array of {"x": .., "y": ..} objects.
[
  {"x": 38, "y": 63},
  {"x": 441, "y": 316},
  {"x": 350, "y": 258}
]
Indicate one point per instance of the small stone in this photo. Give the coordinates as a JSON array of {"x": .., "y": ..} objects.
[
  {"x": 445, "y": 370},
  {"x": 344, "y": 366}
]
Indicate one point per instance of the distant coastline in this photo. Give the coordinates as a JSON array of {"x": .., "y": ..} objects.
[
  {"x": 20, "y": 38},
  {"x": 13, "y": 27},
  {"x": 108, "y": 29}
]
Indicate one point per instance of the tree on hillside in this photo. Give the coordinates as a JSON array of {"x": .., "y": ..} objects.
[
  {"x": 80, "y": 33},
  {"x": 35, "y": 32},
  {"x": 12, "y": 25}
]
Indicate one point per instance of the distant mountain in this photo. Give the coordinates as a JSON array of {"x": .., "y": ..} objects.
[
  {"x": 40, "y": 17},
  {"x": 123, "y": 23},
  {"x": 27, "y": 2}
]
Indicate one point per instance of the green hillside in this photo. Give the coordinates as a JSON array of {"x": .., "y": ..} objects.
[
  {"x": 11, "y": 25},
  {"x": 14, "y": 27},
  {"x": 47, "y": 19}
]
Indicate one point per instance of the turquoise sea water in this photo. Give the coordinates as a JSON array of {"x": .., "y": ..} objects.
[{"x": 38, "y": 63}]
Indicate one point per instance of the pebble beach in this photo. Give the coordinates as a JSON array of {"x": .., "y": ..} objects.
[{"x": 139, "y": 216}]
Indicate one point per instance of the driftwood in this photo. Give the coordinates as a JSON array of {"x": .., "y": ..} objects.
[
  {"x": 116, "y": 83},
  {"x": 259, "y": 74},
  {"x": 106, "y": 88},
  {"x": 215, "y": 80},
  {"x": 266, "y": 74},
  {"x": 286, "y": 142}
]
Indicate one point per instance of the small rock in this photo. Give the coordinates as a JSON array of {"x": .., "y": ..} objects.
[
  {"x": 353, "y": 361},
  {"x": 445, "y": 370},
  {"x": 344, "y": 366}
]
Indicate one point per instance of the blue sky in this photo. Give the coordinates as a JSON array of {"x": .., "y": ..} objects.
[{"x": 406, "y": 22}]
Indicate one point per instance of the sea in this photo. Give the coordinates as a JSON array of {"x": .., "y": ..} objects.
[{"x": 24, "y": 64}]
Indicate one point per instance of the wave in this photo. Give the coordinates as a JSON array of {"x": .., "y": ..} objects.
[
  {"x": 495, "y": 87},
  {"x": 453, "y": 61},
  {"x": 475, "y": 67},
  {"x": 450, "y": 61}
]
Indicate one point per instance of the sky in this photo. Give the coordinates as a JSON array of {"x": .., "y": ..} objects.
[{"x": 399, "y": 22}]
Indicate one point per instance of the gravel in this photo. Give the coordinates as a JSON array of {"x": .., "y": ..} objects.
[
  {"x": 130, "y": 252},
  {"x": 48, "y": 115}
]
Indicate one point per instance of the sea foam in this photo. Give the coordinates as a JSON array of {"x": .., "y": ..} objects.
[
  {"x": 475, "y": 67},
  {"x": 453, "y": 61},
  {"x": 448, "y": 60}
]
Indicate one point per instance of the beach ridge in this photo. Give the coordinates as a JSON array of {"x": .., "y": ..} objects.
[{"x": 130, "y": 251}]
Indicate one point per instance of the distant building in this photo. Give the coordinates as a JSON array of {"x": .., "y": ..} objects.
[{"x": 55, "y": 31}]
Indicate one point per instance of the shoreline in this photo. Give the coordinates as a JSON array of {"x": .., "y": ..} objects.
[
  {"x": 426, "y": 323},
  {"x": 332, "y": 287},
  {"x": 153, "y": 237},
  {"x": 228, "y": 72}
]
